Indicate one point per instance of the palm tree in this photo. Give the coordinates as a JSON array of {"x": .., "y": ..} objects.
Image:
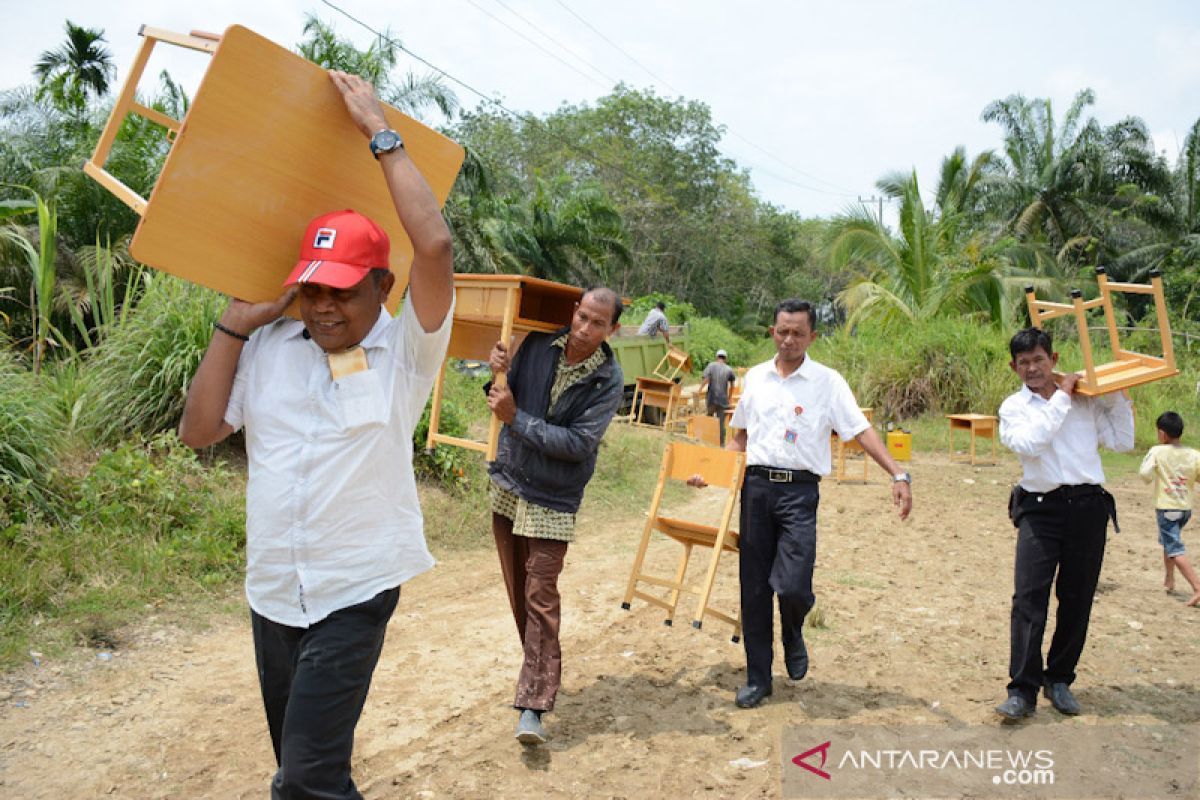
[
  {"x": 563, "y": 233},
  {"x": 80, "y": 68},
  {"x": 1067, "y": 185},
  {"x": 934, "y": 265},
  {"x": 412, "y": 95}
]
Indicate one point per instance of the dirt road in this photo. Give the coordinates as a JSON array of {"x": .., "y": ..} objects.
[{"x": 915, "y": 631}]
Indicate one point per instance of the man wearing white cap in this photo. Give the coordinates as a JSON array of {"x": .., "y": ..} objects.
[
  {"x": 719, "y": 378},
  {"x": 329, "y": 403}
]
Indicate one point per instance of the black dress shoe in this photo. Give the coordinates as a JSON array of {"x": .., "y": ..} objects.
[
  {"x": 1062, "y": 699},
  {"x": 796, "y": 660},
  {"x": 750, "y": 696},
  {"x": 1015, "y": 707}
]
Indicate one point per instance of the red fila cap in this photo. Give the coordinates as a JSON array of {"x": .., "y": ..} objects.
[{"x": 339, "y": 249}]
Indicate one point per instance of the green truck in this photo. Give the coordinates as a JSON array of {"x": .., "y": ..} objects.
[{"x": 639, "y": 355}]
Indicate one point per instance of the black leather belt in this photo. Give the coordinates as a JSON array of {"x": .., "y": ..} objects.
[
  {"x": 776, "y": 475},
  {"x": 1069, "y": 491}
]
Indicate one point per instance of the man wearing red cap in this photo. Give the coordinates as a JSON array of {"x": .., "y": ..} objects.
[{"x": 329, "y": 403}]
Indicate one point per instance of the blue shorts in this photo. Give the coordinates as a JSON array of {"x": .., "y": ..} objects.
[{"x": 1170, "y": 530}]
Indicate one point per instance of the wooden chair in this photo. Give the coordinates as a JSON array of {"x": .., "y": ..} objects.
[
  {"x": 1128, "y": 368},
  {"x": 673, "y": 362},
  {"x": 852, "y": 446},
  {"x": 656, "y": 393},
  {"x": 720, "y": 468},
  {"x": 704, "y": 429}
]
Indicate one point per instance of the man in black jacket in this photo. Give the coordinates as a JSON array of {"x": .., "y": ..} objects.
[{"x": 562, "y": 391}]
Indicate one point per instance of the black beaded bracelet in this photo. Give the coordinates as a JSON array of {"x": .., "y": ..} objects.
[{"x": 229, "y": 332}]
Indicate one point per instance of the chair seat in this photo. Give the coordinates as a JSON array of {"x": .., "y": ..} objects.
[{"x": 694, "y": 533}]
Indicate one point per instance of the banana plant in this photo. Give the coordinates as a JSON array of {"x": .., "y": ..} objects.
[{"x": 41, "y": 262}]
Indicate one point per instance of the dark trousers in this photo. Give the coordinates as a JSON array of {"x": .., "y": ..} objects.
[
  {"x": 314, "y": 682},
  {"x": 1064, "y": 536},
  {"x": 778, "y": 548},
  {"x": 531, "y": 568}
]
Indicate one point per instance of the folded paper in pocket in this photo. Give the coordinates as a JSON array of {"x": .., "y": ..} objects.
[{"x": 347, "y": 362}]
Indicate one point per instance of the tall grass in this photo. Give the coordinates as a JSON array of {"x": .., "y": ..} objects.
[
  {"x": 27, "y": 440},
  {"x": 949, "y": 366},
  {"x": 139, "y": 374}
]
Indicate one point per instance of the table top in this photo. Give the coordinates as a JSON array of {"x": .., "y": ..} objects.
[
  {"x": 970, "y": 417},
  {"x": 249, "y": 169}
]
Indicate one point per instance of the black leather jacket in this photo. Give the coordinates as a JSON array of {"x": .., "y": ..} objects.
[{"x": 548, "y": 458}]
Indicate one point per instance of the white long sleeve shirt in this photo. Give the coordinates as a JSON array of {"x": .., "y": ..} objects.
[{"x": 1057, "y": 440}]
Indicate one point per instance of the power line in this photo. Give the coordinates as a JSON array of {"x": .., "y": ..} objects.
[
  {"x": 841, "y": 190},
  {"x": 612, "y": 81},
  {"x": 530, "y": 119},
  {"x": 617, "y": 47},
  {"x": 557, "y": 58},
  {"x": 526, "y": 118}
]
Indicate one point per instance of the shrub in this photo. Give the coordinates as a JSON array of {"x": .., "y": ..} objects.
[
  {"x": 464, "y": 413},
  {"x": 945, "y": 366},
  {"x": 707, "y": 335},
  {"x": 139, "y": 374},
  {"x": 27, "y": 438}
]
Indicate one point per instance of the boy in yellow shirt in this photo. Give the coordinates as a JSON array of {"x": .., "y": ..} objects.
[{"x": 1173, "y": 468}]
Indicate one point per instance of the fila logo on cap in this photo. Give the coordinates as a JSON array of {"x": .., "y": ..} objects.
[{"x": 324, "y": 238}]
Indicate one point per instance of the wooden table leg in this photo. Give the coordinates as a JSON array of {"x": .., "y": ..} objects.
[{"x": 506, "y": 329}]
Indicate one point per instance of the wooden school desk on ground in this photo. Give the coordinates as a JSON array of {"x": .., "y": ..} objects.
[{"x": 976, "y": 425}]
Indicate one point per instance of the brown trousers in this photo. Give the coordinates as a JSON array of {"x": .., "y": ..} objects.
[{"x": 531, "y": 568}]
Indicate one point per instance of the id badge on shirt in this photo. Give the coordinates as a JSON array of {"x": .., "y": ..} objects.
[{"x": 790, "y": 434}]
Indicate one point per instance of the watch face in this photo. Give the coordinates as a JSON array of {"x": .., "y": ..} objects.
[{"x": 385, "y": 142}]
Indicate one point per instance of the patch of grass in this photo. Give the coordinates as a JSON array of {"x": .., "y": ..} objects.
[
  {"x": 816, "y": 619},
  {"x": 850, "y": 579},
  {"x": 146, "y": 521}
]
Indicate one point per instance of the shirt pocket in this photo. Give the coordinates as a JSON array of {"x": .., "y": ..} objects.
[{"x": 360, "y": 401}]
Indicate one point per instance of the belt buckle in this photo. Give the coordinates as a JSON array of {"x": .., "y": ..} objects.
[{"x": 779, "y": 475}]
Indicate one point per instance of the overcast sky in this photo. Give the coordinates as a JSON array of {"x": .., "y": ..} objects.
[{"x": 818, "y": 99}]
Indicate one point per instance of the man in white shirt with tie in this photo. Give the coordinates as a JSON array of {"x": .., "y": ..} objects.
[
  {"x": 1061, "y": 512},
  {"x": 788, "y": 407},
  {"x": 328, "y": 404}
]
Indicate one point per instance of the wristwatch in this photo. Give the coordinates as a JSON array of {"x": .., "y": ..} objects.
[
  {"x": 902, "y": 477},
  {"x": 385, "y": 141}
]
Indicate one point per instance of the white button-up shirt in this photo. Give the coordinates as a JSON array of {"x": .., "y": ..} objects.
[
  {"x": 788, "y": 420},
  {"x": 1057, "y": 439},
  {"x": 332, "y": 516}
]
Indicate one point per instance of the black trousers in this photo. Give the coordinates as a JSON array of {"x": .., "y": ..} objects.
[
  {"x": 778, "y": 548},
  {"x": 314, "y": 682},
  {"x": 1063, "y": 536}
]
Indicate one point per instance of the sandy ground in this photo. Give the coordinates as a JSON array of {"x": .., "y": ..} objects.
[{"x": 915, "y": 631}]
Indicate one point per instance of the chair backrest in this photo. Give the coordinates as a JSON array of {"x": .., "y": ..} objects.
[
  {"x": 718, "y": 466},
  {"x": 704, "y": 428}
]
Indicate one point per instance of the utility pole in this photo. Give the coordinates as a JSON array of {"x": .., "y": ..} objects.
[{"x": 873, "y": 199}]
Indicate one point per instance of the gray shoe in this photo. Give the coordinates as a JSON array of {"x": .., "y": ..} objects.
[
  {"x": 1062, "y": 699},
  {"x": 529, "y": 728}
]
